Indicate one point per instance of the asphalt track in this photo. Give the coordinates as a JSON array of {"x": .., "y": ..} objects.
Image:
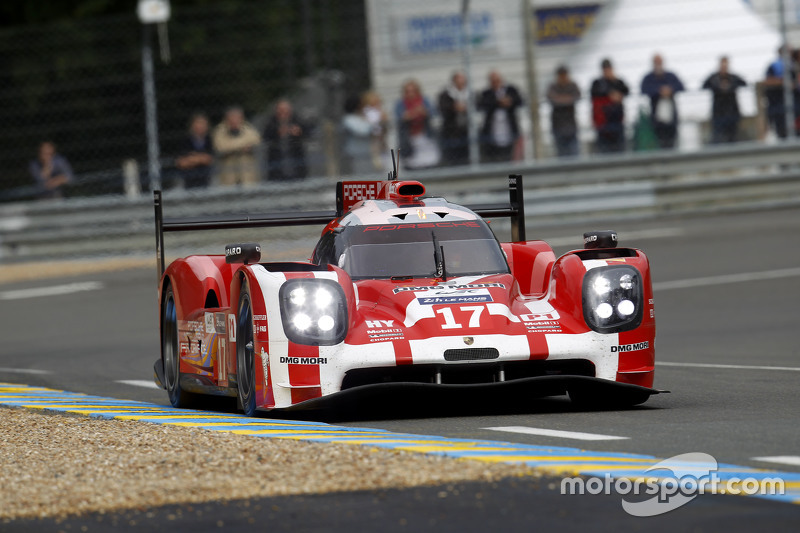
[{"x": 727, "y": 289}]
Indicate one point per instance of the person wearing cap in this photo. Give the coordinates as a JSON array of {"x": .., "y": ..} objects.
[
  {"x": 773, "y": 92},
  {"x": 608, "y": 113},
  {"x": 661, "y": 86},
  {"x": 562, "y": 95}
]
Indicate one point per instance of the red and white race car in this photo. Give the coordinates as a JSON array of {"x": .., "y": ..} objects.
[{"x": 409, "y": 295}]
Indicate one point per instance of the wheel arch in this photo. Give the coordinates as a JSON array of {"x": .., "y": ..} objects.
[{"x": 244, "y": 278}]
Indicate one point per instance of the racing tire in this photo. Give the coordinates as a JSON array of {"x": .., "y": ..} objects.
[
  {"x": 245, "y": 355},
  {"x": 170, "y": 354}
]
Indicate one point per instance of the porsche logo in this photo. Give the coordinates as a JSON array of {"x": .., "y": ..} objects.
[{"x": 468, "y": 341}]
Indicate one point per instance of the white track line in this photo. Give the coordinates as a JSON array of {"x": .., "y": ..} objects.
[
  {"x": 725, "y": 279},
  {"x": 23, "y": 371},
  {"x": 793, "y": 460},
  {"x": 138, "y": 383},
  {"x": 731, "y": 367},
  {"x": 555, "y": 433},
  {"x": 56, "y": 290}
]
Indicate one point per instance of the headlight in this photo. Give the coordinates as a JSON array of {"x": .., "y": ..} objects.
[
  {"x": 313, "y": 311},
  {"x": 612, "y": 299}
]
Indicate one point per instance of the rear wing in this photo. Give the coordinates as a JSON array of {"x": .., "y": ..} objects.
[{"x": 347, "y": 194}]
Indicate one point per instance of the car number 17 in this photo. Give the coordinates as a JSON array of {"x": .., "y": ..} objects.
[{"x": 450, "y": 320}]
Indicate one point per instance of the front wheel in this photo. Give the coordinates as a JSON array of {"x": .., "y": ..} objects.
[
  {"x": 170, "y": 354},
  {"x": 245, "y": 356}
]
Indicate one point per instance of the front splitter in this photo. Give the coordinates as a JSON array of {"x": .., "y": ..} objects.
[{"x": 601, "y": 392}]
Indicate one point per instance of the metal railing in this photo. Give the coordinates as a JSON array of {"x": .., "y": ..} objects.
[{"x": 597, "y": 190}]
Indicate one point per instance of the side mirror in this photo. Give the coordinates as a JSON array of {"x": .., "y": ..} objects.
[
  {"x": 600, "y": 239},
  {"x": 243, "y": 252}
]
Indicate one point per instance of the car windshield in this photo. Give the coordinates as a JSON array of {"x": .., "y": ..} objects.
[
  {"x": 407, "y": 250},
  {"x": 416, "y": 259}
]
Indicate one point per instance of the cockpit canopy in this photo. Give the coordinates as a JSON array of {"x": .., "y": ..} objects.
[{"x": 410, "y": 250}]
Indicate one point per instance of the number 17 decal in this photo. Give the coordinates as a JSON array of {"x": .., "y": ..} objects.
[{"x": 450, "y": 321}]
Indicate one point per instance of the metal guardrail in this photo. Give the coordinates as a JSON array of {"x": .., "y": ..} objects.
[{"x": 596, "y": 190}]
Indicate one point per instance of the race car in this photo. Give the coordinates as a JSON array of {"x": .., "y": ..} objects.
[{"x": 404, "y": 294}]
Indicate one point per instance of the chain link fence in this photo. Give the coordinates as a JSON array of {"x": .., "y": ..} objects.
[{"x": 79, "y": 84}]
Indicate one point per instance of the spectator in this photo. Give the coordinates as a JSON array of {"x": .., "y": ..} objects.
[
  {"x": 197, "y": 157},
  {"x": 379, "y": 121},
  {"x": 725, "y": 108},
  {"x": 661, "y": 85},
  {"x": 285, "y": 134},
  {"x": 357, "y": 139},
  {"x": 413, "y": 112},
  {"x": 454, "y": 135},
  {"x": 563, "y": 93},
  {"x": 773, "y": 91},
  {"x": 608, "y": 113},
  {"x": 235, "y": 141},
  {"x": 500, "y": 130},
  {"x": 51, "y": 171}
]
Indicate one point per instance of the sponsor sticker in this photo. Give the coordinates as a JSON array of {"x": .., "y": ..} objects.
[
  {"x": 541, "y": 317},
  {"x": 232, "y": 327},
  {"x": 446, "y": 296},
  {"x": 378, "y": 335},
  {"x": 547, "y": 326},
  {"x": 379, "y": 324},
  {"x": 219, "y": 323},
  {"x": 450, "y": 287},
  {"x": 210, "y": 323},
  {"x": 458, "y": 299},
  {"x": 422, "y": 225},
  {"x": 630, "y": 347},
  {"x": 264, "y": 360},
  {"x": 304, "y": 360}
]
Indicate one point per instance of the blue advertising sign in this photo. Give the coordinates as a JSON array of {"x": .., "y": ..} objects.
[
  {"x": 431, "y": 34},
  {"x": 561, "y": 25}
]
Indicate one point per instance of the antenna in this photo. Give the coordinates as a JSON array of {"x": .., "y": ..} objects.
[{"x": 395, "y": 164}]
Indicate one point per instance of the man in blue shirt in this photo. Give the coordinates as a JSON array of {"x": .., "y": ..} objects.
[
  {"x": 51, "y": 171},
  {"x": 773, "y": 91},
  {"x": 661, "y": 86}
]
